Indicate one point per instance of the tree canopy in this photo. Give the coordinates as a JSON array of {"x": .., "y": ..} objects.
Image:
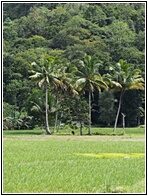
[{"x": 65, "y": 32}]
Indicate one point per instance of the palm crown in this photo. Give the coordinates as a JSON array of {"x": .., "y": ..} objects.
[
  {"x": 46, "y": 73},
  {"x": 88, "y": 78},
  {"x": 124, "y": 77}
]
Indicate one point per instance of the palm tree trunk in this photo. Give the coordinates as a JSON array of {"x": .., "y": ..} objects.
[
  {"x": 56, "y": 114},
  {"x": 139, "y": 120},
  {"x": 47, "y": 125},
  {"x": 119, "y": 107},
  {"x": 89, "y": 125},
  {"x": 80, "y": 127}
]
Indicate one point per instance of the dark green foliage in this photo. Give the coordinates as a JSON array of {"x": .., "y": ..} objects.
[
  {"x": 8, "y": 110},
  {"x": 96, "y": 15},
  {"x": 13, "y": 119},
  {"x": 106, "y": 31},
  {"x": 16, "y": 10},
  {"x": 35, "y": 105},
  {"x": 76, "y": 113},
  {"x": 134, "y": 105},
  {"x": 106, "y": 108}
]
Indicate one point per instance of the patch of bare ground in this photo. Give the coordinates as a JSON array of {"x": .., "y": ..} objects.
[{"x": 76, "y": 138}]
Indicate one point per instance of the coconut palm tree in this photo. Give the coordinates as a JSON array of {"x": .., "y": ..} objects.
[
  {"x": 44, "y": 74},
  {"x": 126, "y": 77},
  {"x": 65, "y": 73},
  {"x": 89, "y": 79}
]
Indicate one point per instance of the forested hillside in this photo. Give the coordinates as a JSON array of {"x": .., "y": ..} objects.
[{"x": 107, "y": 32}]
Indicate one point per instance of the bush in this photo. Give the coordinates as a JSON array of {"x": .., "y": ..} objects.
[{"x": 142, "y": 126}]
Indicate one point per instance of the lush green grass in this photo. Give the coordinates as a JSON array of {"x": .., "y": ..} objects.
[
  {"x": 136, "y": 131},
  {"x": 52, "y": 164}
]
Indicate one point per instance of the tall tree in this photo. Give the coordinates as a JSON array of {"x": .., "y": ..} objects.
[
  {"x": 45, "y": 76},
  {"x": 89, "y": 79},
  {"x": 65, "y": 73},
  {"x": 127, "y": 78}
]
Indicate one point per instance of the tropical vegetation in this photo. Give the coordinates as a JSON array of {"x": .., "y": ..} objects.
[{"x": 71, "y": 64}]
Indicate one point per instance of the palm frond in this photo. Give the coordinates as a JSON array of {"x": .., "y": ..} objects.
[
  {"x": 138, "y": 86},
  {"x": 42, "y": 83},
  {"x": 117, "y": 84},
  {"x": 80, "y": 82},
  {"x": 100, "y": 83},
  {"x": 36, "y": 108},
  {"x": 36, "y": 75}
]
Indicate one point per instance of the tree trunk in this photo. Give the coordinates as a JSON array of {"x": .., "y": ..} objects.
[
  {"x": 47, "y": 125},
  {"x": 119, "y": 107},
  {"x": 59, "y": 123},
  {"x": 15, "y": 109},
  {"x": 89, "y": 125},
  {"x": 80, "y": 128},
  {"x": 123, "y": 123},
  {"x": 56, "y": 115},
  {"x": 139, "y": 120}
]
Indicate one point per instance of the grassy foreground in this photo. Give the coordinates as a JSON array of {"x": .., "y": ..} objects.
[{"x": 35, "y": 163}]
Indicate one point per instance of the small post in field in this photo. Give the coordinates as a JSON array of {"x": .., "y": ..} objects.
[{"x": 123, "y": 122}]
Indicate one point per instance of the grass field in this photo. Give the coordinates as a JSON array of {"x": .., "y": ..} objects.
[
  {"x": 67, "y": 131},
  {"x": 38, "y": 163}
]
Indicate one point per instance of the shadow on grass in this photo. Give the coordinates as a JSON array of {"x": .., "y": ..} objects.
[
  {"x": 39, "y": 132},
  {"x": 108, "y": 134},
  {"x": 61, "y": 134},
  {"x": 21, "y": 132},
  {"x": 86, "y": 134}
]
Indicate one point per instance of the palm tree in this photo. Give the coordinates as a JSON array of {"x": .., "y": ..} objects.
[
  {"x": 44, "y": 74},
  {"x": 38, "y": 108},
  {"x": 126, "y": 77},
  {"x": 89, "y": 79},
  {"x": 65, "y": 73}
]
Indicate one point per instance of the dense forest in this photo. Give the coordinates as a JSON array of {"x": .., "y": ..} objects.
[{"x": 66, "y": 32}]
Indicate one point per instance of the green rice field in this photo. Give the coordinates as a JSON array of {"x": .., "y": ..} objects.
[{"x": 37, "y": 163}]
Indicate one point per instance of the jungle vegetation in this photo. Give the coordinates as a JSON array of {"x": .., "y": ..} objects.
[{"x": 73, "y": 63}]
